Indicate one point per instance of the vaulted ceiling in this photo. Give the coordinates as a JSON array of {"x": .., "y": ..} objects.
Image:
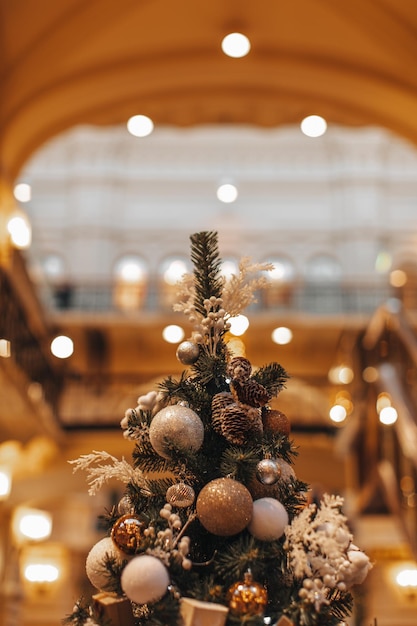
[{"x": 98, "y": 62}]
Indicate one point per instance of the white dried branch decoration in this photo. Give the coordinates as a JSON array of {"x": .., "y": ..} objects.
[
  {"x": 97, "y": 476},
  {"x": 239, "y": 290}
]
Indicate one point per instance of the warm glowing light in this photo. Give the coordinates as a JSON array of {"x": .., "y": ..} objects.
[
  {"x": 22, "y": 192},
  {"x": 341, "y": 374},
  {"x": 130, "y": 270},
  {"x": 407, "y": 577},
  {"x": 34, "y": 524},
  {"x": 282, "y": 335},
  {"x": 344, "y": 399},
  {"x": 239, "y": 325},
  {"x": 62, "y": 347},
  {"x": 5, "y": 483},
  {"x": 383, "y": 400},
  {"x": 388, "y": 415},
  {"x": 229, "y": 268},
  {"x": 227, "y": 193},
  {"x": 314, "y": 126},
  {"x": 337, "y": 413},
  {"x": 236, "y": 45},
  {"x": 140, "y": 125},
  {"x": 175, "y": 271},
  {"x": 370, "y": 374},
  {"x": 4, "y": 348},
  {"x": 20, "y": 231},
  {"x": 173, "y": 333},
  {"x": 41, "y": 573},
  {"x": 398, "y": 278}
]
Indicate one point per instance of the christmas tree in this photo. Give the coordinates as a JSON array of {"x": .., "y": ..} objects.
[{"x": 213, "y": 527}]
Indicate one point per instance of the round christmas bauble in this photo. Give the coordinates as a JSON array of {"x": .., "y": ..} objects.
[
  {"x": 268, "y": 471},
  {"x": 95, "y": 566},
  {"x": 125, "y": 505},
  {"x": 127, "y": 533},
  {"x": 287, "y": 472},
  {"x": 269, "y": 519},
  {"x": 188, "y": 352},
  {"x": 180, "y": 495},
  {"x": 177, "y": 426},
  {"x": 145, "y": 579},
  {"x": 276, "y": 422},
  {"x": 224, "y": 507},
  {"x": 247, "y": 597},
  {"x": 259, "y": 490}
]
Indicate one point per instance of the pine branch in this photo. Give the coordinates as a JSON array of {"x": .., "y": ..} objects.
[
  {"x": 273, "y": 377},
  {"x": 207, "y": 263}
]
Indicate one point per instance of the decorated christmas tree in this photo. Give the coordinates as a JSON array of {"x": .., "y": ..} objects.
[{"x": 213, "y": 527}]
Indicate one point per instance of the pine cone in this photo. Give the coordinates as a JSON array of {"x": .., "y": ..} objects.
[
  {"x": 249, "y": 392},
  {"x": 240, "y": 423},
  {"x": 239, "y": 368},
  {"x": 218, "y": 403}
]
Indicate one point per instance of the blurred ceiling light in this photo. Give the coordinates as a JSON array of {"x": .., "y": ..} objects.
[
  {"x": 239, "y": 325},
  {"x": 5, "y": 483},
  {"x": 140, "y": 125},
  {"x": 282, "y": 335},
  {"x": 383, "y": 400},
  {"x": 398, "y": 278},
  {"x": 32, "y": 524},
  {"x": 338, "y": 413},
  {"x": 62, "y": 347},
  {"x": 173, "y": 333},
  {"x": 19, "y": 230},
  {"x": 227, "y": 193},
  {"x": 41, "y": 573},
  {"x": 388, "y": 415},
  {"x": 236, "y": 45},
  {"x": 406, "y": 578},
  {"x": 5, "y": 348},
  {"x": 313, "y": 126},
  {"x": 130, "y": 270},
  {"x": 341, "y": 374},
  {"x": 22, "y": 192},
  {"x": 175, "y": 271}
]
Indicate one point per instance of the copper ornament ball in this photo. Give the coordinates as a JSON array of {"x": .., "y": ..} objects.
[
  {"x": 224, "y": 507},
  {"x": 247, "y": 597},
  {"x": 127, "y": 533},
  {"x": 276, "y": 422}
]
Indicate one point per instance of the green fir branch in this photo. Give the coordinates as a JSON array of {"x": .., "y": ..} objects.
[
  {"x": 273, "y": 377},
  {"x": 207, "y": 263}
]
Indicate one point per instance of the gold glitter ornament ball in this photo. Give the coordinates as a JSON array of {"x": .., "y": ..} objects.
[
  {"x": 127, "y": 533},
  {"x": 224, "y": 507},
  {"x": 177, "y": 426},
  {"x": 247, "y": 597}
]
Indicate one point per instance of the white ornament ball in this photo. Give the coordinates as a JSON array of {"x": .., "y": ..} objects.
[
  {"x": 178, "y": 426},
  {"x": 145, "y": 579},
  {"x": 269, "y": 519},
  {"x": 95, "y": 565}
]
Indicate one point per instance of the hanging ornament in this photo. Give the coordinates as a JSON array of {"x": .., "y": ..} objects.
[
  {"x": 224, "y": 507},
  {"x": 145, "y": 579},
  {"x": 127, "y": 533},
  {"x": 276, "y": 422},
  {"x": 188, "y": 352},
  {"x": 247, "y": 598},
  {"x": 180, "y": 495},
  {"x": 287, "y": 472},
  {"x": 95, "y": 566},
  {"x": 177, "y": 426},
  {"x": 268, "y": 471},
  {"x": 269, "y": 519},
  {"x": 125, "y": 505}
]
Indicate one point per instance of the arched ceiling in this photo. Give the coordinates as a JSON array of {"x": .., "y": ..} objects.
[{"x": 98, "y": 62}]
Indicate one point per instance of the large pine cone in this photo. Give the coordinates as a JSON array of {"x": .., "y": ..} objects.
[
  {"x": 239, "y": 424},
  {"x": 249, "y": 392},
  {"x": 219, "y": 402}
]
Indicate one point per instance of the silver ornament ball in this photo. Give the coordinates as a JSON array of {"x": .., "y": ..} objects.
[
  {"x": 268, "y": 471},
  {"x": 188, "y": 352}
]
